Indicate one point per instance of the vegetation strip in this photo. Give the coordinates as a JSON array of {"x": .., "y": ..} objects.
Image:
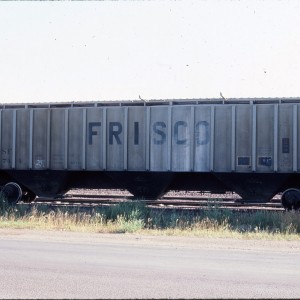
[{"x": 135, "y": 217}]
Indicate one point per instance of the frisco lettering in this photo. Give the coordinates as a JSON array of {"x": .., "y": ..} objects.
[{"x": 159, "y": 132}]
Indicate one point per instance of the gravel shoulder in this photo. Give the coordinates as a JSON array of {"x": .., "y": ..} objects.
[{"x": 152, "y": 240}]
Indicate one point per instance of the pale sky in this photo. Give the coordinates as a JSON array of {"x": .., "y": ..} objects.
[{"x": 118, "y": 50}]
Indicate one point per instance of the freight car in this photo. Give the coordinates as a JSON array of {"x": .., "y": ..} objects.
[{"x": 247, "y": 146}]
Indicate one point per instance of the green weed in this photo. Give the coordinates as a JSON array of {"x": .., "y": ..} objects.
[{"x": 131, "y": 217}]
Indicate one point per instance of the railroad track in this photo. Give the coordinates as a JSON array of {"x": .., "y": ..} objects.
[{"x": 183, "y": 201}]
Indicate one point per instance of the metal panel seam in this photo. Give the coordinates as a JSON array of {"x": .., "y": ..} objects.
[
  {"x": 295, "y": 137},
  {"x": 148, "y": 136},
  {"x": 233, "y": 135},
  {"x": 192, "y": 139},
  {"x": 212, "y": 137},
  {"x": 254, "y": 138},
  {"x": 31, "y": 112},
  {"x": 48, "y": 137},
  {"x": 14, "y": 136},
  {"x": 125, "y": 153},
  {"x": 104, "y": 138},
  {"x": 84, "y": 114},
  {"x": 1, "y": 138},
  {"x": 66, "y": 137},
  {"x": 169, "y": 167},
  {"x": 276, "y": 115}
]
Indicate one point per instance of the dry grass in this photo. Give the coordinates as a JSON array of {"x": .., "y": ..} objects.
[{"x": 134, "y": 217}]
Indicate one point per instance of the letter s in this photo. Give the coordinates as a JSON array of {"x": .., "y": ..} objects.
[{"x": 159, "y": 132}]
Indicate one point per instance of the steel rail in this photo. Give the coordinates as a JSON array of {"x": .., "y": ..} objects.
[{"x": 184, "y": 202}]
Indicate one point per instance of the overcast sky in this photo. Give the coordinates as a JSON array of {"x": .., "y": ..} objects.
[{"x": 118, "y": 50}]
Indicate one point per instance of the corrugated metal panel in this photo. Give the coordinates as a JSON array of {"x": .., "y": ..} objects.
[
  {"x": 265, "y": 138},
  {"x": 22, "y": 138},
  {"x": 57, "y": 153},
  {"x": 285, "y": 138},
  {"x": 178, "y": 138},
  {"x": 222, "y": 139},
  {"x": 137, "y": 135},
  {"x": 182, "y": 137},
  {"x": 159, "y": 151},
  {"x": 74, "y": 138},
  {"x": 115, "y": 138},
  {"x": 7, "y": 130},
  {"x": 40, "y": 140},
  {"x": 202, "y": 135},
  {"x": 243, "y": 138},
  {"x": 95, "y": 138}
]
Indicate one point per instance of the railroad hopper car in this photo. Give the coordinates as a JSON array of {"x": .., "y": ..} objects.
[{"x": 247, "y": 146}]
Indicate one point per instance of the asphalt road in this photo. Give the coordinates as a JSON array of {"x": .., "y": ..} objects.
[{"x": 36, "y": 264}]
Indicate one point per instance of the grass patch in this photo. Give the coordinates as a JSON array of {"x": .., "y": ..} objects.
[{"x": 135, "y": 217}]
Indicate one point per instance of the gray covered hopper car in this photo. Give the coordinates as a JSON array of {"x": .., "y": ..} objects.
[{"x": 249, "y": 146}]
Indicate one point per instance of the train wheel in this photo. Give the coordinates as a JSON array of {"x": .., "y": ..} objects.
[
  {"x": 12, "y": 192},
  {"x": 290, "y": 199}
]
